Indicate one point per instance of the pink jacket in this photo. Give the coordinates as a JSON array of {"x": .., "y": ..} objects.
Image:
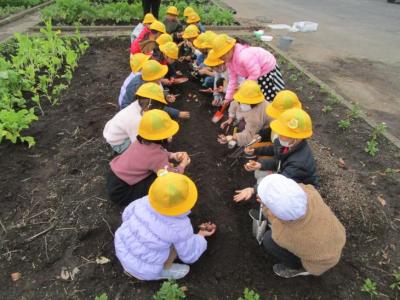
[
  {"x": 135, "y": 47},
  {"x": 250, "y": 63}
]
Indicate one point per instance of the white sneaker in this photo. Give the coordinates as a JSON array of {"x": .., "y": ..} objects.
[{"x": 176, "y": 271}]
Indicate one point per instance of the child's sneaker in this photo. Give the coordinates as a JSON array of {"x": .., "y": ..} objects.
[
  {"x": 282, "y": 271},
  {"x": 176, "y": 271}
]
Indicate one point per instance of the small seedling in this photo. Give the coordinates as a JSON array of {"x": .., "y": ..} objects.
[
  {"x": 391, "y": 171},
  {"x": 290, "y": 66},
  {"x": 311, "y": 97},
  {"x": 300, "y": 88},
  {"x": 102, "y": 297},
  {"x": 355, "y": 111},
  {"x": 369, "y": 287},
  {"x": 396, "y": 284},
  {"x": 379, "y": 130},
  {"x": 344, "y": 124},
  {"x": 372, "y": 147},
  {"x": 249, "y": 295},
  {"x": 333, "y": 99},
  {"x": 327, "y": 109},
  {"x": 293, "y": 77},
  {"x": 169, "y": 290}
]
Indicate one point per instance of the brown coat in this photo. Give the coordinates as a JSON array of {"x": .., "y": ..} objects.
[
  {"x": 317, "y": 238},
  {"x": 256, "y": 119}
]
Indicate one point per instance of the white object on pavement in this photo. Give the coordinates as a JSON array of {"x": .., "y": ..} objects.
[
  {"x": 304, "y": 26},
  {"x": 267, "y": 38},
  {"x": 279, "y": 26}
]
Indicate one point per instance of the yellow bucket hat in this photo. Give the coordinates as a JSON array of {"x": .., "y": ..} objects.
[
  {"x": 211, "y": 60},
  {"x": 137, "y": 60},
  {"x": 204, "y": 40},
  {"x": 156, "y": 125},
  {"x": 153, "y": 70},
  {"x": 191, "y": 32},
  {"x": 249, "y": 93},
  {"x": 152, "y": 91},
  {"x": 283, "y": 101},
  {"x": 222, "y": 44},
  {"x": 172, "y": 194},
  {"x": 293, "y": 123},
  {"x": 193, "y": 18},
  {"x": 164, "y": 38},
  {"x": 188, "y": 10},
  {"x": 172, "y": 10},
  {"x": 148, "y": 19},
  {"x": 170, "y": 49},
  {"x": 158, "y": 26}
]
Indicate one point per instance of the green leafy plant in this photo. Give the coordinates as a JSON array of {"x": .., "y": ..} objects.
[
  {"x": 369, "y": 287},
  {"x": 102, "y": 297},
  {"x": 169, "y": 290},
  {"x": 327, "y": 109},
  {"x": 372, "y": 145},
  {"x": 355, "y": 111},
  {"x": 396, "y": 283},
  {"x": 344, "y": 124},
  {"x": 249, "y": 295}
]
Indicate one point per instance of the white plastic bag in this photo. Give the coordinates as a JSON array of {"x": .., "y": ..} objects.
[{"x": 304, "y": 26}]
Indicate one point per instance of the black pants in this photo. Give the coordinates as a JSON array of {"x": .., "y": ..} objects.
[
  {"x": 122, "y": 193},
  {"x": 151, "y": 5},
  {"x": 282, "y": 255}
]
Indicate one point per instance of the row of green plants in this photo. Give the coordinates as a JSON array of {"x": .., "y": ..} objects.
[
  {"x": 170, "y": 290},
  {"x": 8, "y": 7},
  {"x": 370, "y": 287},
  {"x": 33, "y": 70},
  {"x": 74, "y": 12}
]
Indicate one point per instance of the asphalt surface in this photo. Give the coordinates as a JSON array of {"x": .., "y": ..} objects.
[{"x": 356, "y": 49}]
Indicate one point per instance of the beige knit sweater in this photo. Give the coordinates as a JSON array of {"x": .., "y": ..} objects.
[
  {"x": 317, "y": 239},
  {"x": 255, "y": 119}
]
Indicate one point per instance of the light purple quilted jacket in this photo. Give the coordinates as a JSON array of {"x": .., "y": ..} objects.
[{"x": 144, "y": 239}]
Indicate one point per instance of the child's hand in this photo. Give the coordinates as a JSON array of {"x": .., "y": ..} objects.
[
  {"x": 249, "y": 150},
  {"x": 252, "y": 165},
  {"x": 223, "y": 139},
  {"x": 243, "y": 195},
  {"x": 165, "y": 81},
  {"x": 207, "y": 229},
  {"x": 185, "y": 160},
  {"x": 226, "y": 123},
  {"x": 171, "y": 98},
  {"x": 184, "y": 115}
]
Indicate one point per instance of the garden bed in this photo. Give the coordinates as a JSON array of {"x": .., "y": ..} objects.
[
  {"x": 85, "y": 12},
  {"x": 10, "y": 7},
  {"x": 55, "y": 216}
]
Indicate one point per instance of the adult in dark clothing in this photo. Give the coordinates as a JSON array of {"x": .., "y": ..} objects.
[
  {"x": 152, "y": 6},
  {"x": 291, "y": 154}
]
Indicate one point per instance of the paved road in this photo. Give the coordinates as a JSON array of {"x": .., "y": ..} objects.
[
  {"x": 356, "y": 48},
  {"x": 20, "y": 25}
]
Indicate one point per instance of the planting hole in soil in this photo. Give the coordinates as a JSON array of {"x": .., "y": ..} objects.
[{"x": 57, "y": 225}]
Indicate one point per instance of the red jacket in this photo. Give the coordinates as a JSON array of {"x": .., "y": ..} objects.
[{"x": 135, "y": 47}]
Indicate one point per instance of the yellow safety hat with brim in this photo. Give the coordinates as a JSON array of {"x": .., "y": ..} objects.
[
  {"x": 191, "y": 32},
  {"x": 151, "y": 90},
  {"x": 158, "y": 26},
  {"x": 148, "y": 18},
  {"x": 193, "y": 18},
  {"x": 293, "y": 123},
  {"x": 198, "y": 42},
  {"x": 153, "y": 70},
  {"x": 204, "y": 40},
  {"x": 283, "y": 101},
  {"x": 164, "y": 38},
  {"x": 249, "y": 93},
  {"x": 170, "y": 49},
  {"x": 157, "y": 125},
  {"x": 172, "y": 194},
  {"x": 172, "y": 10},
  {"x": 211, "y": 59},
  {"x": 187, "y": 11},
  {"x": 137, "y": 60},
  {"x": 222, "y": 44}
]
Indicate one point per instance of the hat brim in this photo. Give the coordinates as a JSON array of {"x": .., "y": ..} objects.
[
  {"x": 159, "y": 99},
  {"x": 280, "y": 129},
  {"x": 245, "y": 100},
  {"x": 159, "y": 75},
  {"x": 185, "y": 36},
  {"x": 179, "y": 209},
  {"x": 272, "y": 112},
  {"x": 162, "y": 135},
  {"x": 224, "y": 51},
  {"x": 172, "y": 13},
  {"x": 213, "y": 63},
  {"x": 137, "y": 69},
  {"x": 198, "y": 44}
]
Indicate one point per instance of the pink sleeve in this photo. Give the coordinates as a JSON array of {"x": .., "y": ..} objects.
[
  {"x": 248, "y": 58},
  {"x": 232, "y": 83}
]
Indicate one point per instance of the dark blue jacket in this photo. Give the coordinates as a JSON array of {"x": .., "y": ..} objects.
[{"x": 298, "y": 163}]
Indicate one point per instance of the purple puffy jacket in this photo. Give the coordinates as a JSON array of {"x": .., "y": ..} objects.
[{"x": 144, "y": 239}]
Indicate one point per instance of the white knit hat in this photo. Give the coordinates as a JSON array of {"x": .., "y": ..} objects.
[{"x": 283, "y": 197}]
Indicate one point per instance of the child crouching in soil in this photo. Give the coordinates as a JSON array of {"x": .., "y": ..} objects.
[
  {"x": 156, "y": 230},
  {"x": 142, "y": 28},
  {"x": 132, "y": 172},
  {"x": 251, "y": 105},
  {"x": 291, "y": 154}
]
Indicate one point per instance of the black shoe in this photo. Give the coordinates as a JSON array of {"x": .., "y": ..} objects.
[{"x": 282, "y": 271}]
